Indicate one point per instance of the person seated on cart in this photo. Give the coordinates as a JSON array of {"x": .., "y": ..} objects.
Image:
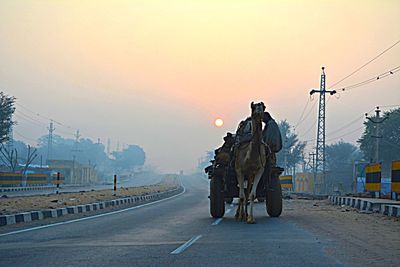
[{"x": 272, "y": 136}]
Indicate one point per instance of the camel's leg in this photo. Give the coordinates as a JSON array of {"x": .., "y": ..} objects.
[
  {"x": 239, "y": 211},
  {"x": 252, "y": 195}
]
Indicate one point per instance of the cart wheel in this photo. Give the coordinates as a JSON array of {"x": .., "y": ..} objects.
[
  {"x": 274, "y": 199},
  {"x": 217, "y": 203}
]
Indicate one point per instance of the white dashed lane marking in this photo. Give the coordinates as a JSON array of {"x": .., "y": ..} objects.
[
  {"x": 217, "y": 221},
  {"x": 186, "y": 245}
]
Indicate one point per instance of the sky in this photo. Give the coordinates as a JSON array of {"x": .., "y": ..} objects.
[{"x": 157, "y": 73}]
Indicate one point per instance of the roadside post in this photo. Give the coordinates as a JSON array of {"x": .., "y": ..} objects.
[
  {"x": 395, "y": 186},
  {"x": 58, "y": 182},
  {"x": 373, "y": 179},
  {"x": 115, "y": 182}
]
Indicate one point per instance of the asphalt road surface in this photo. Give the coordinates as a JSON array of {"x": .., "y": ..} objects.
[{"x": 175, "y": 232}]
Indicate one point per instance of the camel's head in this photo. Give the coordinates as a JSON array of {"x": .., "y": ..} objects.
[
  {"x": 229, "y": 139},
  {"x": 257, "y": 110}
]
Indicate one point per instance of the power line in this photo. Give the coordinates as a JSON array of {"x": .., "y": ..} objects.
[
  {"x": 302, "y": 113},
  {"x": 348, "y": 133},
  {"x": 36, "y": 122},
  {"x": 23, "y": 136},
  {"x": 27, "y": 119},
  {"x": 348, "y": 124},
  {"x": 309, "y": 129},
  {"x": 307, "y": 114},
  {"x": 44, "y": 117},
  {"x": 390, "y": 143},
  {"x": 373, "y": 59},
  {"x": 370, "y": 80}
]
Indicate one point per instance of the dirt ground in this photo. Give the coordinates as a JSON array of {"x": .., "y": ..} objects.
[
  {"x": 374, "y": 238},
  {"x": 14, "y": 205}
]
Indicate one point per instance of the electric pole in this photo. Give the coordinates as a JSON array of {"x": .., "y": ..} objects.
[
  {"x": 376, "y": 121},
  {"x": 320, "y": 150},
  {"x": 50, "y": 140},
  {"x": 74, "y": 151},
  {"x": 108, "y": 146},
  {"x": 312, "y": 155},
  {"x": 285, "y": 152},
  {"x": 76, "y": 144}
]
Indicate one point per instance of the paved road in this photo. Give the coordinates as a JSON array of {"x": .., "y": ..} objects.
[{"x": 150, "y": 235}]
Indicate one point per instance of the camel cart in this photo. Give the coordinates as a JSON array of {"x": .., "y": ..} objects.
[{"x": 224, "y": 187}]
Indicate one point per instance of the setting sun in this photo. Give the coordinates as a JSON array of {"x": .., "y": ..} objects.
[{"x": 219, "y": 122}]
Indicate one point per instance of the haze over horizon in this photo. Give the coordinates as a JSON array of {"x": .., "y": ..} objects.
[{"x": 158, "y": 73}]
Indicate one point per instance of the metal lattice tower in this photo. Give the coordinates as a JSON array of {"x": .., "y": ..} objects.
[{"x": 320, "y": 149}]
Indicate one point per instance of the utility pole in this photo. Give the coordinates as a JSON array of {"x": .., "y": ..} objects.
[
  {"x": 108, "y": 146},
  {"x": 76, "y": 144},
  {"x": 74, "y": 151},
  {"x": 320, "y": 149},
  {"x": 376, "y": 121},
  {"x": 50, "y": 140},
  {"x": 285, "y": 152},
  {"x": 312, "y": 155}
]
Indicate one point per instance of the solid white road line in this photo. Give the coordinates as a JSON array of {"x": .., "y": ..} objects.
[
  {"x": 186, "y": 245},
  {"x": 94, "y": 216}
]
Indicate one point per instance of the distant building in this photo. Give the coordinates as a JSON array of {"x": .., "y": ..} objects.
[{"x": 74, "y": 172}]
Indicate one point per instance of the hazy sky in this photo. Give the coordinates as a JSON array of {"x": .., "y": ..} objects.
[{"x": 158, "y": 73}]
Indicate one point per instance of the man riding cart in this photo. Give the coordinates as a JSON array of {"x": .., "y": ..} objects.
[{"x": 251, "y": 154}]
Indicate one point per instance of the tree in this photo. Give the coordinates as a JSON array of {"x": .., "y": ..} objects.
[
  {"x": 293, "y": 148},
  {"x": 340, "y": 158},
  {"x": 9, "y": 158},
  {"x": 129, "y": 158},
  {"x": 84, "y": 152},
  {"x": 6, "y": 111},
  {"x": 389, "y": 147}
]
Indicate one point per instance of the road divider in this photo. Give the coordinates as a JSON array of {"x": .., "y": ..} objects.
[
  {"x": 26, "y": 188},
  {"x": 55, "y": 213},
  {"x": 384, "y": 206}
]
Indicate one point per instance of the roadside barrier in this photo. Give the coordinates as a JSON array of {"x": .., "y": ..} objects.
[
  {"x": 395, "y": 187},
  {"x": 286, "y": 181},
  {"x": 373, "y": 178},
  {"x": 25, "y": 188},
  {"x": 369, "y": 205}
]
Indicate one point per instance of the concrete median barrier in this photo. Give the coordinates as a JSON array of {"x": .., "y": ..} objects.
[
  {"x": 55, "y": 213},
  {"x": 374, "y": 205}
]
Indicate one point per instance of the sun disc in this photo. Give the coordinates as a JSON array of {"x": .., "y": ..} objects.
[{"x": 219, "y": 122}]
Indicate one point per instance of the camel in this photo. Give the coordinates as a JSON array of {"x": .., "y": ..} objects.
[{"x": 250, "y": 160}]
